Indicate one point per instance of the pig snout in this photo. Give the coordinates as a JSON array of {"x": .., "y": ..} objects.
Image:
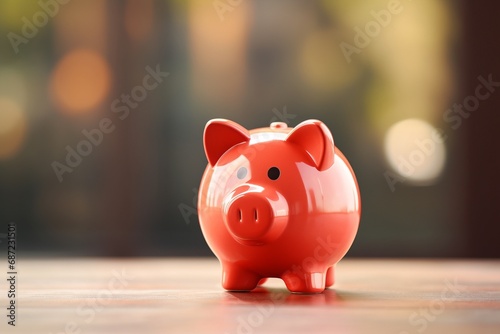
[{"x": 253, "y": 218}]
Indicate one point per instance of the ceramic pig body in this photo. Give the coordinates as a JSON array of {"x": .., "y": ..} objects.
[{"x": 277, "y": 202}]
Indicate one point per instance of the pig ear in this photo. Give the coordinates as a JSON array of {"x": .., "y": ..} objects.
[
  {"x": 315, "y": 138},
  {"x": 220, "y": 135}
]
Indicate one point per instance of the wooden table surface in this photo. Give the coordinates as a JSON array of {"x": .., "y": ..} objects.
[{"x": 163, "y": 295}]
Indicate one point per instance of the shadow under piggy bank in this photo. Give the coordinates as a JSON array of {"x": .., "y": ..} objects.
[{"x": 263, "y": 295}]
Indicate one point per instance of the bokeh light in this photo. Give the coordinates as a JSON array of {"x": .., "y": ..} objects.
[
  {"x": 416, "y": 151},
  {"x": 218, "y": 53},
  {"x": 13, "y": 127},
  {"x": 80, "y": 81}
]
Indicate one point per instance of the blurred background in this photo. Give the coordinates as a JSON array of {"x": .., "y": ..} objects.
[{"x": 103, "y": 105}]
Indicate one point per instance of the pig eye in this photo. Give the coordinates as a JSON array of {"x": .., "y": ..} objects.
[
  {"x": 273, "y": 173},
  {"x": 242, "y": 172}
]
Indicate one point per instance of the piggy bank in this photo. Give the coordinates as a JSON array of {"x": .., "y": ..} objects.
[{"x": 277, "y": 202}]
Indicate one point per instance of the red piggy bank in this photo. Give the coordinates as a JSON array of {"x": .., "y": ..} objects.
[{"x": 277, "y": 202}]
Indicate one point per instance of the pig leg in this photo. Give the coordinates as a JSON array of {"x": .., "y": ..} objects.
[
  {"x": 330, "y": 279},
  {"x": 235, "y": 278},
  {"x": 315, "y": 282},
  {"x": 304, "y": 282}
]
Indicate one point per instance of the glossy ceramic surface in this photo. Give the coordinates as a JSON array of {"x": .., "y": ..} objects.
[{"x": 277, "y": 202}]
